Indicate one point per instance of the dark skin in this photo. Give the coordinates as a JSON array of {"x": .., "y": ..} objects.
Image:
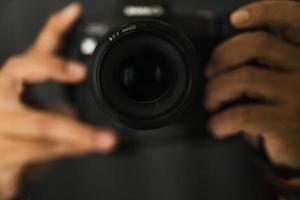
[{"x": 277, "y": 121}]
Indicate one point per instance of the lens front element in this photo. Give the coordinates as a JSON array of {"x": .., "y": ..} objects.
[{"x": 143, "y": 77}]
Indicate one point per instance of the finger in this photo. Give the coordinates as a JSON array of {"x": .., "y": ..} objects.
[
  {"x": 37, "y": 68},
  {"x": 252, "y": 119},
  {"x": 58, "y": 24},
  {"x": 17, "y": 153},
  {"x": 247, "y": 80},
  {"x": 282, "y": 14},
  {"x": 253, "y": 46},
  {"x": 54, "y": 128}
]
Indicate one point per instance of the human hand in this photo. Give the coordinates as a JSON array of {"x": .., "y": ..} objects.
[
  {"x": 230, "y": 76},
  {"x": 28, "y": 135}
]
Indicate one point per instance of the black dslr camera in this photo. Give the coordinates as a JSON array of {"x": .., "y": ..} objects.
[{"x": 148, "y": 72}]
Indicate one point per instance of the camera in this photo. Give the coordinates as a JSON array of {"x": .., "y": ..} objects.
[{"x": 147, "y": 72}]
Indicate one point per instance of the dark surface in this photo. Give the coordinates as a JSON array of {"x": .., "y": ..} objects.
[{"x": 202, "y": 169}]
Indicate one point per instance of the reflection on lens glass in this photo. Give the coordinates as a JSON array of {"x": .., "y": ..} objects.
[{"x": 145, "y": 76}]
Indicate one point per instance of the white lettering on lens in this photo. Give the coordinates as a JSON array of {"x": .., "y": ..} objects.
[
  {"x": 130, "y": 28},
  {"x": 114, "y": 36}
]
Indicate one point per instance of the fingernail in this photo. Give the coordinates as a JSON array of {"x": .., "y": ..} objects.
[
  {"x": 105, "y": 140},
  {"x": 240, "y": 17},
  {"x": 76, "y": 69},
  {"x": 71, "y": 10}
]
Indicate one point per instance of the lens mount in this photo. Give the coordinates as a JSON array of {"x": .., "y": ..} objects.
[{"x": 143, "y": 74}]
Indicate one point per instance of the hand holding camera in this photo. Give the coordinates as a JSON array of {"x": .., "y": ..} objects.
[
  {"x": 276, "y": 84},
  {"x": 30, "y": 136}
]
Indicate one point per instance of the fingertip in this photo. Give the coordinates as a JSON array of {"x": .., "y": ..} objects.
[
  {"x": 76, "y": 70},
  {"x": 72, "y": 10},
  {"x": 105, "y": 140},
  {"x": 240, "y": 18}
]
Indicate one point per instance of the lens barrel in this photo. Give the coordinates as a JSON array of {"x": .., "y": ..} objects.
[{"x": 143, "y": 74}]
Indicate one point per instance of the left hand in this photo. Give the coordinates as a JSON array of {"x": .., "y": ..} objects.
[
  {"x": 31, "y": 136},
  {"x": 277, "y": 120}
]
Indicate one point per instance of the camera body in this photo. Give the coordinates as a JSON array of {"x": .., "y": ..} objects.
[{"x": 147, "y": 73}]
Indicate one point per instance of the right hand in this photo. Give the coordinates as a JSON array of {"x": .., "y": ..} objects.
[{"x": 28, "y": 135}]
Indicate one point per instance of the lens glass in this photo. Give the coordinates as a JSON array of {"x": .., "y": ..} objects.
[
  {"x": 143, "y": 75},
  {"x": 146, "y": 75}
]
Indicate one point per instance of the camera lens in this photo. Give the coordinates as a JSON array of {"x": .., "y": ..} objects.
[{"x": 143, "y": 74}]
